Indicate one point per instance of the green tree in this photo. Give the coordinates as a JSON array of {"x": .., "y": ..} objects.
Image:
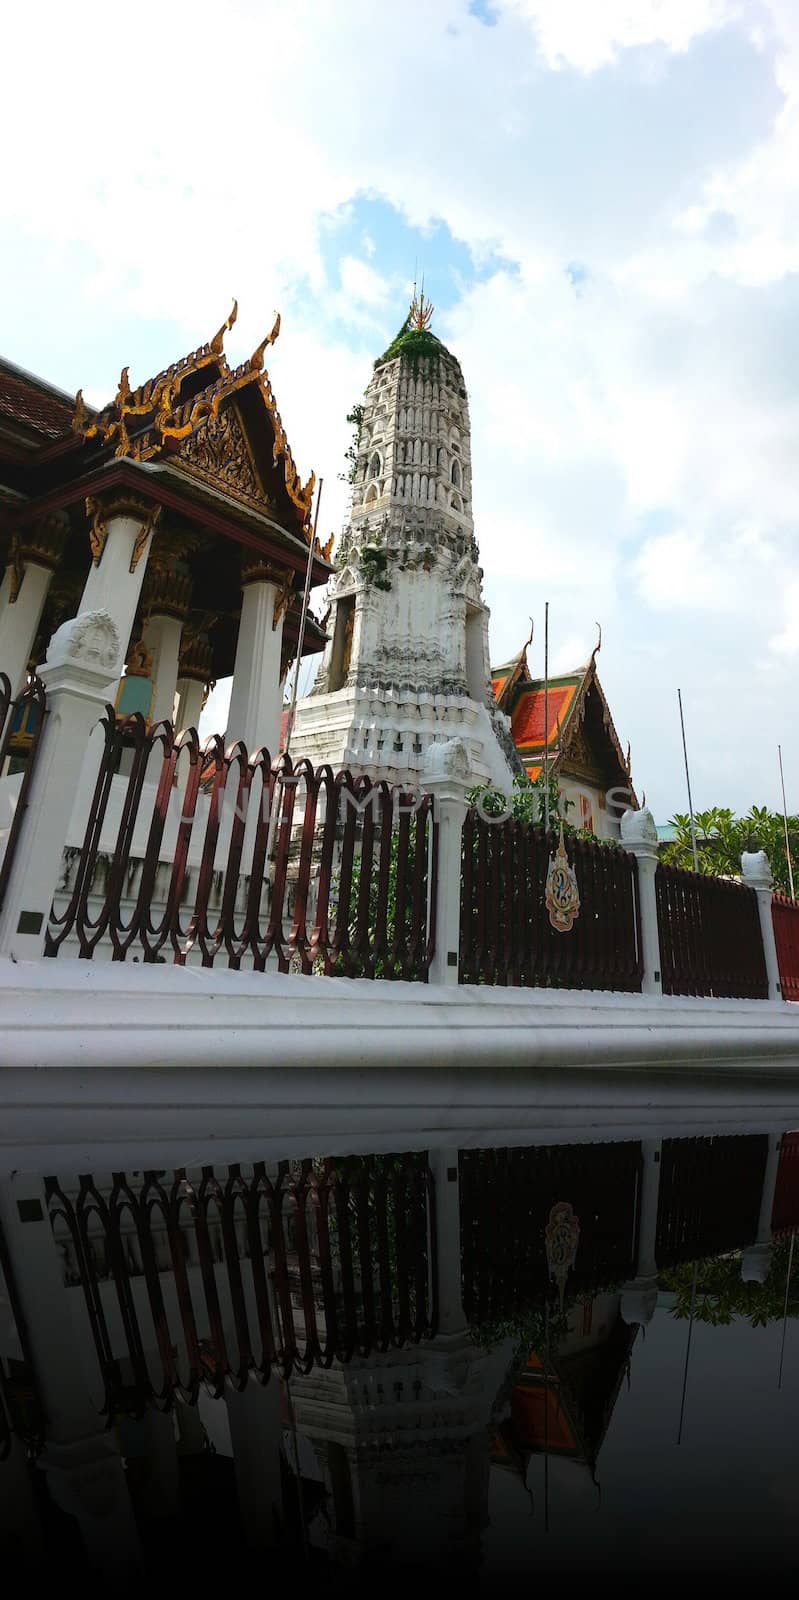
[
  {"x": 721, "y": 838},
  {"x": 721, "y": 1293}
]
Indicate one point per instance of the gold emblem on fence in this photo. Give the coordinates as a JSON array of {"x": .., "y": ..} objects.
[
  {"x": 562, "y": 1237},
  {"x": 562, "y": 896}
]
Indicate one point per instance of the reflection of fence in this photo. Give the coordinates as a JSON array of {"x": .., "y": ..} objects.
[
  {"x": 506, "y": 935},
  {"x": 233, "y": 1276},
  {"x": 709, "y": 1197},
  {"x": 506, "y": 1199},
  {"x": 245, "y": 863},
  {"x": 710, "y": 938},
  {"x": 785, "y": 1215},
  {"x": 785, "y": 916},
  {"x": 21, "y": 723},
  {"x": 20, "y": 1407}
]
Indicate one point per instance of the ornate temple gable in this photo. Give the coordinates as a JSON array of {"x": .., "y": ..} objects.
[
  {"x": 581, "y": 737},
  {"x": 184, "y": 415},
  {"x": 220, "y": 453},
  {"x": 505, "y": 679}
]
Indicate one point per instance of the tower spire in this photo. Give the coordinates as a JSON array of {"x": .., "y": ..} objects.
[{"x": 421, "y": 311}]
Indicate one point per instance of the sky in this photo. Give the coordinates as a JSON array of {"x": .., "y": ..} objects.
[{"x": 603, "y": 198}]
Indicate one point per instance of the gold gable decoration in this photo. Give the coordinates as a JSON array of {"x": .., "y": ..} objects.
[
  {"x": 219, "y": 453},
  {"x": 155, "y": 409}
]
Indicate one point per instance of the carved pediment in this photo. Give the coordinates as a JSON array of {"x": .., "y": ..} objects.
[{"x": 220, "y": 453}]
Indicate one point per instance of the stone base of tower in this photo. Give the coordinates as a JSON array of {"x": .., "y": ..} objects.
[{"x": 388, "y": 733}]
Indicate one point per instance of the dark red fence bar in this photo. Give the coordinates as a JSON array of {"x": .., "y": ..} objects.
[
  {"x": 21, "y": 1413},
  {"x": 785, "y": 916},
  {"x": 222, "y": 1279},
  {"x": 709, "y": 1196},
  {"x": 710, "y": 938},
  {"x": 506, "y": 1200},
  {"x": 785, "y": 1213},
  {"x": 21, "y": 722},
  {"x": 506, "y": 935},
  {"x": 202, "y": 853}
]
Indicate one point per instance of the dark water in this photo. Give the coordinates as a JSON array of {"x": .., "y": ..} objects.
[{"x": 556, "y": 1427}]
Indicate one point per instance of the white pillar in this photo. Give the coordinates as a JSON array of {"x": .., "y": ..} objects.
[
  {"x": 151, "y": 1440},
  {"x": 121, "y": 536},
  {"x": 161, "y": 639},
  {"x": 756, "y": 870},
  {"x": 755, "y": 1261},
  {"x": 256, "y": 1434},
  {"x": 81, "y": 1458},
  {"x": 447, "y": 1189},
  {"x": 81, "y": 667},
  {"x": 639, "y": 1298},
  {"x": 191, "y": 694},
  {"x": 19, "y": 621},
  {"x": 446, "y": 778},
  {"x": 639, "y": 836},
  {"x": 255, "y": 699}
]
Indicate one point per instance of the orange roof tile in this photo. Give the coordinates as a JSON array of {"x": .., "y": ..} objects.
[{"x": 527, "y": 719}]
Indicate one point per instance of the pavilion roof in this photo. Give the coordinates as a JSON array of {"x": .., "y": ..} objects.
[
  {"x": 564, "y": 706},
  {"x": 162, "y": 417}
]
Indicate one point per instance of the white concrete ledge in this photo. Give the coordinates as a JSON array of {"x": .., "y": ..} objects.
[{"x": 105, "y": 1064}]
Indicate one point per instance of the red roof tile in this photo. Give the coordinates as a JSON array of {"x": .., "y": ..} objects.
[
  {"x": 34, "y": 405},
  {"x": 527, "y": 720}
]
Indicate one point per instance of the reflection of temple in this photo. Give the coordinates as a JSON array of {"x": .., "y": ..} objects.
[
  {"x": 560, "y": 1399},
  {"x": 391, "y": 1289}
]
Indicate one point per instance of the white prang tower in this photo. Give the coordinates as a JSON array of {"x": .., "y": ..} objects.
[{"x": 407, "y": 663}]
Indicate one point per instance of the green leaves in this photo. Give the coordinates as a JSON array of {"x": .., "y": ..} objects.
[{"x": 721, "y": 838}]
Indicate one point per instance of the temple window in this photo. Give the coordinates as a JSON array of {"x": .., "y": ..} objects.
[
  {"x": 374, "y": 466},
  {"x": 455, "y": 474}
]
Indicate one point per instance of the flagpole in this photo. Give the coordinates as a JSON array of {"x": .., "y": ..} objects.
[
  {"x": 546, "y": 717},
  {"x": 785, "y": 822},
  {"x": 688, "y": 785},
  {"x": 303, "y": 618}
]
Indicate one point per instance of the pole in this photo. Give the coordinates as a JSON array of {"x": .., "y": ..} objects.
[
  {"x": 546, "y": 717},
  {"x": 785, "y": 1308},
  {"x": 688, "y": 785},
  {"x": 687, "y": 1352},
  {"x": 785, "y": 823},
  {"x": 303, "y": 618}
]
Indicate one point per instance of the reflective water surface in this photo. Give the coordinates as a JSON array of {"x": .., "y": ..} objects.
[{"x": 570, "y": 1360}]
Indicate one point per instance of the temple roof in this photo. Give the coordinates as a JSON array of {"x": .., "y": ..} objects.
[
  {"x": 571, "y": 697},
  {"x": 163, "y": 417},
  {"x": 33, "y": 406}
]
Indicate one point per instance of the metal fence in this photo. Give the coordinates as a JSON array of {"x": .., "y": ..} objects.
[
  {"x": 197, "y": 852},
  {"x": 506, "y": 1200},
  {"x": 710, "y": 937},
  {"x": 709, "y": 1197},
  {"x": 785, "y": 916},
  {"x": 223, "y": 1278},
  {"x": 506, "y": 935}
]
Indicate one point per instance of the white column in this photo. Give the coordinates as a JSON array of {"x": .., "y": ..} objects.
[
  {"x": 81, "y": 1458},
  {"x": 756, "y": 870},
  {"x": 639, "y": 1298},
  {"x": 639, "y": 836},
  {"x": 161, "y": 639},
  {"x": 446, "y": 778},
  {"x": 122, "y": 533},
  {"x": 81, "y": 667},
  {"x": 191, "y": 694},
  {"x": 255, "y": 699},
  {"x": 19, "y": 622},
  {"x": 755, "y": 1261},
  {"x": 446, "y": 1181},
  {"x": 256, "y": 1434}
]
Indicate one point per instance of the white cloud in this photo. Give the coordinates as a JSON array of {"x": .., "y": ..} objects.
[{"x": 588, "y": 34}]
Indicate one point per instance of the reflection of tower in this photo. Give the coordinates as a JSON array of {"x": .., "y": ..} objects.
[
  {"x": 407, "y": 660},
  {"x": 402, "y": 1441}
]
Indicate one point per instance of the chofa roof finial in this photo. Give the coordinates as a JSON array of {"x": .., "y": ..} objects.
[{"x": 219, "y": 338}]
